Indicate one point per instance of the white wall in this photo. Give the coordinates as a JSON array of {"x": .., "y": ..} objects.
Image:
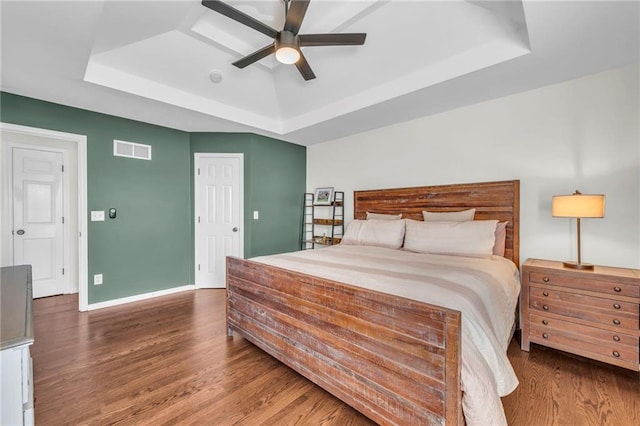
[{"x": 582, "y": 134}]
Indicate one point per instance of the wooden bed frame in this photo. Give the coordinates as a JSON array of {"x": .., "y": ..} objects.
[{"x": 395, "y": 360}]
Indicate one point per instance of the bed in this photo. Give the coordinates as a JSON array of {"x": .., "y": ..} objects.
[{"x": 395, "y": 359}]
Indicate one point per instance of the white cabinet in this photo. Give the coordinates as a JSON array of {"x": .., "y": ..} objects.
[
  {"x": 17, "y": 386},
  {"x": 16, "y": 367}
]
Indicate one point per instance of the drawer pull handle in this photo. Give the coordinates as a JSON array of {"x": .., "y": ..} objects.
[
  {"x": 545, "y": 322},
  {"x": 616, "y": 321},
  {"x": 545, "y": 307},
  {"x": 616, "y": 337},
  {"x": 545, "y": 335},
  {"x": 617, "y": 289},
  {"x": 545, "y": 279},
  {"x": 616, "y": 305},
  {"x": 545, "y": 293},
  {"x": 616, "y": 354}
]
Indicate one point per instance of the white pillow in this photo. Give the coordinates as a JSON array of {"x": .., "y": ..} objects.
[
  {"x": 500, "y": 238},
  {"x": 380, "y": 216},
  {"x": 461, "y": 216},
  {"x": 380, "y": 233},
  {"x": 472, "y": 238}
]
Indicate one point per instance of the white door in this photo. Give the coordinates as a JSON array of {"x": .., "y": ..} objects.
[
  {"x": 219, "y": 217},
  {"x": 38, "y": 237}
]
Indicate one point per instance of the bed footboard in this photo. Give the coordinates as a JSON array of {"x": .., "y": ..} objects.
[{"x": 395, "y": 360}]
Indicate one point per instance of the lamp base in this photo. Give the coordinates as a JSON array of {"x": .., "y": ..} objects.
[{"x": 576, "y": 265}]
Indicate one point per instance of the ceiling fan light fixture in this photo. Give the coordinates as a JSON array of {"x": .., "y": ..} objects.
[
  {"x": 287, "y": 55},
  {"x": 286, "y": 45}
]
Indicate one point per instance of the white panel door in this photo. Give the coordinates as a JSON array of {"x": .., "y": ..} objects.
[
  {"x": 218, "y": 198},
  {"x": 38, "y": 238}
]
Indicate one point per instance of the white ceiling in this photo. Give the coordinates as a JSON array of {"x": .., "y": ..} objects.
[{"x": 151, "y": 60}]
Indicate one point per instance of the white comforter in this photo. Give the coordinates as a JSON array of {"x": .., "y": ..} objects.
[{"x": 484, "y": 290}]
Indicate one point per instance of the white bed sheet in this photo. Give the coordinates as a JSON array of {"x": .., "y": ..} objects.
[{"x": 485, "y": 290}]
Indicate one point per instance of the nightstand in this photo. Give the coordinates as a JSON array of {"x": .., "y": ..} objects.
[{"x": 595, "y": 314}]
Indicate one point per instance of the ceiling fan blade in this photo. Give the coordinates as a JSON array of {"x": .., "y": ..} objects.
[
  {"x": 304, "y": 68},
  {"x": 332, "y": 39},
  {"x": 233, "y": 13},
  {"x": 295, "y": 15},
  {"x": 255, "y": 56}
]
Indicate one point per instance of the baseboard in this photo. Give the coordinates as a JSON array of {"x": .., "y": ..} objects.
[{"x": 138, "y": 297}]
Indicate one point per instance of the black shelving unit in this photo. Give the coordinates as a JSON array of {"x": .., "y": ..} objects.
[
  {"x": 307, "y": 221},
  {"x": 322, "y": 224}
]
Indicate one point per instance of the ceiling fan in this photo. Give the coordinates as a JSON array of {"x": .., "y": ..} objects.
[{"x": 287, "y": 42}]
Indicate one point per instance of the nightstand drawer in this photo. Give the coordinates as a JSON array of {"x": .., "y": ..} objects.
[
  {"x": 585, "y": 283},
  {"x": 590, "y": 301},
  {"x": 543, "y": 322},
  {"x": 585, "y": 312},
  {"x": 576, "y": 343}
]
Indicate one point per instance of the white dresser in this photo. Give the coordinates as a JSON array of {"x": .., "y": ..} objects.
[{"x": 16, "y": 337}]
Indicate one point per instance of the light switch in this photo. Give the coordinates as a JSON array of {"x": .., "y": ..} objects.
[
  {"x": 256, "y": 215},
  {"x": 97, "y": 215}
]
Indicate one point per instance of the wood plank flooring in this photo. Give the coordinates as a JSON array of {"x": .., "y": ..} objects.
[
  {"x": 557, "y": 388},
  {"x": 168, "y": 361}
]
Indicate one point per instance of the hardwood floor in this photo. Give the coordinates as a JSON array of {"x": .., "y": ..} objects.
[
  {"x": 557, "y": 388},
  {"x": 165, "y": 361},
  {"x": 168, "y": 361}
]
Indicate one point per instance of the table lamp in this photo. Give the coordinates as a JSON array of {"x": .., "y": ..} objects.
[{"x": 580, "y": 206}]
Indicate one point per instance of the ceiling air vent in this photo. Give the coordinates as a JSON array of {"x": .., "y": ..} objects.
[{"x": 131, "y": 150}]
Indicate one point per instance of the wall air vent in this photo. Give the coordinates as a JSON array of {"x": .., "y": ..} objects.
[{"x": 131, "y": 150}]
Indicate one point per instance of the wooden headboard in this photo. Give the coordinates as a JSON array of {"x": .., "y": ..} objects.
[{"x": 492, "y": 200}]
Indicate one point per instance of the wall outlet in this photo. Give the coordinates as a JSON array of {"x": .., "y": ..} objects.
[{"x": 97, "y": 279}]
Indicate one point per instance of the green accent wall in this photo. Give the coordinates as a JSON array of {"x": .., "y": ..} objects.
[
  {"x": 274, "y": 184},
  {"x": 150, "y": 246},
  {"x": 147, "y": 247}
]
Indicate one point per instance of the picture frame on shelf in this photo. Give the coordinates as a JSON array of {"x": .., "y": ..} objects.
[{"x": 323, "y": 196}]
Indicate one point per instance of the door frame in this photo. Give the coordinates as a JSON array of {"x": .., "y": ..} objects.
[
  {"x": 196, "y": 161},
  {"x": 81, "y": 167}
]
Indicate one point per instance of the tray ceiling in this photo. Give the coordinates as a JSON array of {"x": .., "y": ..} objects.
[{"x": 420, "y": 57}]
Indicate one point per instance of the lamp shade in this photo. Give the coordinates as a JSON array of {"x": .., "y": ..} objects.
[{"x": 578, "y": 205}]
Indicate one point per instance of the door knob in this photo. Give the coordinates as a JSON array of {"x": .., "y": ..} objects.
[
  {"x": 20, "y": 232},
  {"x": 235, "y": 229}
]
